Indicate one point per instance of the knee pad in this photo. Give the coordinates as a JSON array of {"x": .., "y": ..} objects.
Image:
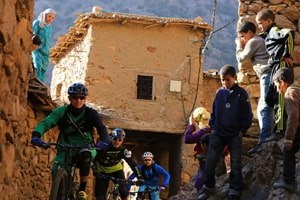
[{"x": 85, "y": 159}]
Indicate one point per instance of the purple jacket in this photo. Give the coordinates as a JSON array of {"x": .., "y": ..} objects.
[{"x": 190, "y": 138}]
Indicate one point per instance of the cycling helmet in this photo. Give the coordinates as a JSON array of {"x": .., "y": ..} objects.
[
  {"x": 200, "y": 113},
  {"x": 118, "y": 133},
  {"x": 147, "y": 154},
  {"x": 78, "y": 89}
]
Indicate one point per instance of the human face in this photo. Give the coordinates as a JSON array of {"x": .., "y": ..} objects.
[
  {"x": 147, "y": 161},
  {"x": 77, "y": 100},
  {"x": 116, "y": 142},
  {"x": 263, "y": 25},
  {"x": 281, "y": 86},
  {"x": 245, "y": 37},
  {"x": 228, "y": 81},
  {"x": 50, "y": 18}
]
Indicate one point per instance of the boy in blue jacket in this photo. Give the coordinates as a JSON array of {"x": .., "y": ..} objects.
[
  {"x": 231, "y": 117},
  {"x": 151, "y": 172}
]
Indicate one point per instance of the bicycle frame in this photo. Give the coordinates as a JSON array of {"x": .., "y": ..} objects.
[
  {"x": 113, "y": 191},
  {"x": 145, "y": 194},
  {"x": 63, "y": 186}
]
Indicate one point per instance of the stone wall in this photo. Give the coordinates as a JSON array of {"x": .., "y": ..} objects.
[
  {"x": 15, "y": 64},
  {"x": 287, "y": 16}
]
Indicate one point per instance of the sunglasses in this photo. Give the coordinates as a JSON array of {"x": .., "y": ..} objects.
[
  {"x": 78, "y": 97},
  {"x": 147, "y": 159},
  {"x": 117, "y": 139}
]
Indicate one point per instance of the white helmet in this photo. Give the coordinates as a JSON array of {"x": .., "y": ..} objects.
[{"x": 147, "y": 154}]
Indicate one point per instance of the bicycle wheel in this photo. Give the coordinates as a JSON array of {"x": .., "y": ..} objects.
[
  {"x": 59, "y": 185},
  {"x": 112, "y": 192}
]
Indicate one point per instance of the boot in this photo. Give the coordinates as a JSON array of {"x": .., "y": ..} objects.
[{"x": 206, "y": 193}]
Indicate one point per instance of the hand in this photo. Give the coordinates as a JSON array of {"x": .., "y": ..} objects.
[
  {"x": 161, "y": 188},
  {"x": 39, "y": 142},
  {"x": 288, "y": 61},
  {"x": 140, "y": 181},
  {"x": 36, "y": 141},
  {"x": 288, "y": 146},
  {"x": 101, "y": 145}
]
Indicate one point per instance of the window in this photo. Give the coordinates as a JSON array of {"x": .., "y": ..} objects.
[{"x": 144, "y": 87}]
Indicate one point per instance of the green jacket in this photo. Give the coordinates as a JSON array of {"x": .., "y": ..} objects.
[{"x": 85, "y": 119}]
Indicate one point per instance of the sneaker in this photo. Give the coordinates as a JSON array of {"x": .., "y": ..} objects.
[
  {"x": 254, "y": 149},
  {"x": 283, "y": 184},
  {"x": 82, "y": 195},
  {"x": 206, "y": 193},
  {"x": 274, "y": 137}
]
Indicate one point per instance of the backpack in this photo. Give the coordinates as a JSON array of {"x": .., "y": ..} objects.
[{"x": 199, "y": 152}]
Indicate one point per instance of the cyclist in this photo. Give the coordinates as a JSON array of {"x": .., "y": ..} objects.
[
  {"x": 75, "y": 122},
  {"x": 151, "y": 172},
  {"x": 108, "y": 162}
]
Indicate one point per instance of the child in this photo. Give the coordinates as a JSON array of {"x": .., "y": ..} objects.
[
  {"x": 198, "y": 133},
  {"x": 36, "y": 42},
  {"x": 279, "y": 44},
  {"x": 283, "y": 79},
  {"x": 251, "y": 47},
  {"x": 230, "y": 119},
  {"x": 42, "y": 27},
  {"x": 193, "y": 135}
]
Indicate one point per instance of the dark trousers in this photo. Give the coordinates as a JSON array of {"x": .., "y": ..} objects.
[
  {"x": 215, "y": 150},
  {"x": 289, "y": 160}
]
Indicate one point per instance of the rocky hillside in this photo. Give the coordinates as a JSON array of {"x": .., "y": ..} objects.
[
  {"x": 259, "y": 172},
  {"x": 221, "y": 46}
]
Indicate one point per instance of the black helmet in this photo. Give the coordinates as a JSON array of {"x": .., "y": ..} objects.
[
  {"x": 118, "y": 133},
  {"x": 78, "y": 88}
]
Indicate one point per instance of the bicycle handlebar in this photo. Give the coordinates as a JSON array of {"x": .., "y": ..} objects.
[
  {"x": 118, "y": 180},
  {"x": 69, "y": 146}
]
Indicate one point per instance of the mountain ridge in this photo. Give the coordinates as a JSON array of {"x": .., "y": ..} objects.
[{"x": 220, "y": 46}]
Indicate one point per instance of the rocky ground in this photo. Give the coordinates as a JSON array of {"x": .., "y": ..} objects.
[{"x": 259, "y": 172}]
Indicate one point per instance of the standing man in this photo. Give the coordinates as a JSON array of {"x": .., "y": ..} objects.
[
  {"x": 75, "y": 122},
  {"x": 283, "y": 79}
]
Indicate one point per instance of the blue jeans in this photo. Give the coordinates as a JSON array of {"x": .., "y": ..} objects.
[
  {"x": 154, "y": 195},
  {"x": 289, "y": 160},
  {"x": 264, "y": 112},
  {"x": 215, "y": 150}
]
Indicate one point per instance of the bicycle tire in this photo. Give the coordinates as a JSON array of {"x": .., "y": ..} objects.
[
  {"x": 59, "y": 185},
  {"x": 111, "y": 193}
]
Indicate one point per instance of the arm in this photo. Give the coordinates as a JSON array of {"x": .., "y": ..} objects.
[
  {"x": 288, "y": 49},
  {"x": 127, "y": 157},
  {"x": 160, "y": 170},
  {"x": 132, "y": 176},
  {"x": 212, "y": 118},
  {"x": 101, "y": 129},
  {"x": 292, "y": 101},
  {"x": 246, "y": 53},
  {"x": 50, "y": 121},
  {"x": 190, "y": 137},
  {"x": 245, "y": 112}
]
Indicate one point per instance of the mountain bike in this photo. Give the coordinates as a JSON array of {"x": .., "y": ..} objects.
[
  {"x": 113, "y": 189},
  {"x": 144, "y": 195},
  {"x": 63, "y": 185}
]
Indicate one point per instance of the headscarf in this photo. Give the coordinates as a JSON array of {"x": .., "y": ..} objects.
[
  {"x": 42, "y": 16},
  {"x": 201, "y": 115}
]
